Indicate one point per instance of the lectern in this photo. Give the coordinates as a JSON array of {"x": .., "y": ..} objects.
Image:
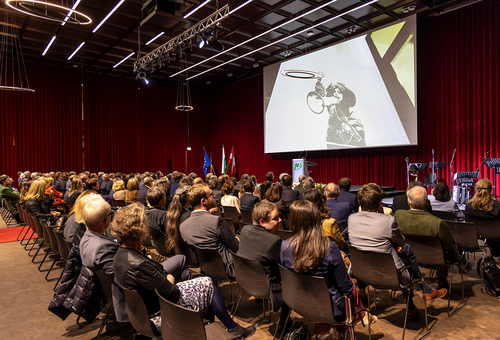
[{"x": 300, "y": 167}]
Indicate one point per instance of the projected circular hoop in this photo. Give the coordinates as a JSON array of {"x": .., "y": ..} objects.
[
  {"x": 184, "y": 108},
  {"x": 15, "y": 88},
  {"x": 49, "y": 11},
  {"x": 302, "y": 74},
  {"x": 315, "y": 102}
]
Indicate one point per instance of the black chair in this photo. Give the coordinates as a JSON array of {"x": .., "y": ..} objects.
[
  {"x": 230, "y": 223},
  {"x": 444, "y": 215},
  {"x": 308, "y": 296},
  {"x": 138, "y": 314},
  {"x": 181, "y": 323},
  {"x": 183, "y": 248},
  {"x": 63, "y": 250},
  {"x": 232, "y": 213},
  {"x": 246, "y": 216},
  {"x": 53, "y": 245},
  {"x": 158, "y": 241},
  {"x": 7, "y": 213},
  {"x": 283, "y": 234},
  {"x": 465, "y": 235},
  {"x": 379, "y": 271},
  {"x": 429, "y": 254},
  {"x": 106, "y": 281},
  {"x": 251, "y": 278},
  {"x": 487, "y": 229},
  {"x": 211, "y": 264}
]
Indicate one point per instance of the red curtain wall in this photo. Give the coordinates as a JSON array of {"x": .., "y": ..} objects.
[
  {"x": 131, "y": 127},
  {"x": 458, "y": 108}
]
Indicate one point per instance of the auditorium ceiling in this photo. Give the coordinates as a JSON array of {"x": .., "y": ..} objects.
[{"x": 136, "y": 22}]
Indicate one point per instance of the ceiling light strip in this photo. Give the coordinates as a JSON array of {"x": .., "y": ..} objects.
[
  {"x": 131, "y": 54},
  {"x": 197, "y": 8},
  {"x": 71, "y": 12},
  {"x": 256, "y": 37},
  {"x": 240, "y": 6},
  {"x": 48, "y": 46},
  {"x": 159, "y": 35},
  {"x": 282, "y": 39},
  {"x": 77, "y": 49},
  {"x": 107, "y": 16}
]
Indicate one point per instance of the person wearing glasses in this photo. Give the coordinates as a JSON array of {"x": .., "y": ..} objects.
[{"x": 203, "y": 230}]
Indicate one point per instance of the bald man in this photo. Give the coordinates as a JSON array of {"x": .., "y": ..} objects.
[{"x": 339, "y": 210}]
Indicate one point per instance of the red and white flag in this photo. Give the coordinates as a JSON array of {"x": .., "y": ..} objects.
[{"x": 231, "y": 164}]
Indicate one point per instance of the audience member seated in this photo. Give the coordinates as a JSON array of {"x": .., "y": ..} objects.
[
  {"x": 74, "y": 227},
  {"x": 417, "y": 221},
  {"x": 229, "y": 200},
  {"x": 142, "y": 193},
  {"x": 329, "y": 224},
  {"x": 346, "y": 196},
  {"x": 213, "y": 184},
  {"x": 400, "y": 202},
  {"x": 177, "y": 213},
  {"x": 37, "y": 204},
  {"x": 135, "y": 271},
  {"x": 340, "y": 211},
  {"x": 75, "y": 189},
  {"x": 157, "y": 217},
  {"x": 25, "y": 187},
  {"x": 310, "y": 252},
  {"x": 119, "y": 191},
  {"x": 289, "y": 195},
  {"x": 263, "y": 189},
  {"x": 258, "y": 244},
  {"x": 165, "y": 185},
  {"x": 10, "y": 195},
  {"x": 443, "y": 201},
  {"x": 372, "y": 230},
  {"x": 174, "y": 183},
  {"x": 299, "y": 186},
  {"x": 248, "y": 200},
  {"x": 58, "y": 197},
  {"x": 132, "y": 190},
  {"x": 274, "y": 195},
  {"x": 203, "y": 230},
  {"x": 104, "y": 185},
  {"x": 307, "y": 183},
  {"x": 484, "y": 206}
]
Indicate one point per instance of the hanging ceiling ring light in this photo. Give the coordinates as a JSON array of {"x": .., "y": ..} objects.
[
  {"x": 49, "y": 11},
  {"x": 302, "y": 74}
]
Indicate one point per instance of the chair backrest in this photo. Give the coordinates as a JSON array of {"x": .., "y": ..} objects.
[
  {"x": 230, "y": 223},
  {"x": 246, "y": 216},
  {"x": 61, "y": 243},
  {"x": 70, "y": 205},
  {"x": 106, "y": 281},
  {"x": 38, "y": 228},
  {"x": 465, "y": 235},
  {"x": 120, "y": 203},
  {"x": 428, "y": 251},
  {"x": 444, "y": 215},
  {"x": 232, "y": 213},
  {"x": 211, "y": 264},
  {"x": 486, "y": 228},
  {"x": 251, "y": 276},
  {"x": 113, "y": 204},
  {"x": 307, "y": 295},
  {"x": 158, "y": 240},
  {"x": 283, "y": 234},
  {"x": 180, "y": 323},
  {"x": 183, "y": 249},
  {"x": 138, "y": 313},
  {"x": 52, "y": 238},
  {"x": 147, "y": 242},
  {"x": 376, "y": 269}
]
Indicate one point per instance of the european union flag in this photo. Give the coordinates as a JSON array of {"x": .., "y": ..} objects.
[{"x": 206, "y": 163}]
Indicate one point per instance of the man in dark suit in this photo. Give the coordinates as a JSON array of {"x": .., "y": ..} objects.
[
  {"x": 289, "y": 195},
  {"x": 143, "y": 192},
  {"x": 213, "y": 183},
  {"x": 203, "y": 230},
  {"x": 339, "y": 210},
  {"x": 400, "y": 202},
  {"x": 157, "y": 217},
  {"x": 258, "y": 244},
  {"x": 248, "y": 200},
  {"x": 346, "y": 196},
  {"x": 299, "y": 186}
]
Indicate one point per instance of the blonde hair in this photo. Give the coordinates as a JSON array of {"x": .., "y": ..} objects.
[
  {"x": 133, "y": 184},
  {"x": 483, "y": 199},
  {"x": 48, "y": 182},
  {"x": 77, "y": 207},
  {"x": 37, "y": 189},
  {"x": 130, "y": 224},
  {"x": 75, "y": 185},
  {"x": 118, "y": 185}
]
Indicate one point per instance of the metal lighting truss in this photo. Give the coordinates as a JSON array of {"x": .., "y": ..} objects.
[{"x": 204, "y": 25}]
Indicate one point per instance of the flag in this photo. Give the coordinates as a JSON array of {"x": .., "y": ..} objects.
[
  {"x": 231, "y": 165},
  {"x": 206, "y": 162},
  {"x": 223, "y": 171}
]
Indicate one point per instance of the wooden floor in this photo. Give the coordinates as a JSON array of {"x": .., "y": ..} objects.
[{"x": 25, "y": 296}]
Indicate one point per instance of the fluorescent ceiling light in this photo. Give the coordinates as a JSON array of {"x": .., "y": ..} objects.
[
  {"x": 237, "y": 8},
  {"x": 284, "y": 38},
  {"x": 107, "y": 16},
  {"x": 257, "y": 36},
  {"x": 159, "y": 35},
  {"x": 70, "y": 12},
  {"x": 77, "y": 49},
  {"x": 48, "y": 46},
  {"x": 197, "y": 8},
  {"x": 131, "y": 54}
]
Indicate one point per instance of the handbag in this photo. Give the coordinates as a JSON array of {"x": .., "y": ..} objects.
[
  {"x": 490, "y": 273},
  {"x": 297, "y": 332}
]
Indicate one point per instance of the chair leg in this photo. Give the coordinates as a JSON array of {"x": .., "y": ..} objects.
[
  {"x": 463, "y": 302},
  {"x": 235, "y": 306},
  {"x": 21, "y": 232},
  {"x": 368, "y": 312},
  {"x": 104, "y": 322},
  {"x": 406, "y": 314},
  {"x": 59, "y": 279},
  {"x": 428, "y": 332},
  {"x": 284, "y": 328}
]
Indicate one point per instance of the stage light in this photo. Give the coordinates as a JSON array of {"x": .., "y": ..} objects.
[
  {"x": 142, "y": 76},
  {"x": 177, "y": 52},
  {"x": 165, "y": 58},
  {"x": 200, "y": 42},
  {"x": 188, "y": 46},
  {"x": 213, "y": 40}
]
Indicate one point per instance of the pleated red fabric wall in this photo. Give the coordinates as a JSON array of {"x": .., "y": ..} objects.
[
  {"x": 458, "y": 108},
  {"x": 41, "y": 131}
]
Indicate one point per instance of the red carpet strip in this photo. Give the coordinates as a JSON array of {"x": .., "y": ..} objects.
[{"x": 10, "y": 234}]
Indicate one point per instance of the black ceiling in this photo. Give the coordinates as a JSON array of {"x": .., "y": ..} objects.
[{"x": 119, "y": 35}]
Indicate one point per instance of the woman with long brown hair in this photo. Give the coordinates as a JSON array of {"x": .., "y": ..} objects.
[
  {"x": 177, "y": 213},
  {"x": 275, "y": 195}
]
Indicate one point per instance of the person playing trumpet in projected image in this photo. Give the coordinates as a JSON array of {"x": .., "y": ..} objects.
[{"x": 344, "y": 128}]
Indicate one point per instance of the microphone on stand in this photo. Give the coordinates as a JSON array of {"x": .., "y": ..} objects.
[{"x": 488, "y": 152}]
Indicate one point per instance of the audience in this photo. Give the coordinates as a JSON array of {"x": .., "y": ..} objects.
[
  {"x": 401, "y": 202},
  {"x": 142, "y": 193},
  {"x": 229, "y": 200},
  {"x": 37, "y": 204},
  {"x": 274, "y": 195},
  {"x": 248, "y": 200},
  {"x": 346, "y": 196},
  {"x": 177, "y": 213},
  {"x": 289, "y": 195},
  {"x": 442, "y": 201},
  {"x": 340, "y": 211},
  {"x": 119, "y": 191},
  {"x": 75, "y": 190},
  {"x": 10, "y": 195},
  {"x": 157, "y": 217},
  {"x": 132, "y": 190}
]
